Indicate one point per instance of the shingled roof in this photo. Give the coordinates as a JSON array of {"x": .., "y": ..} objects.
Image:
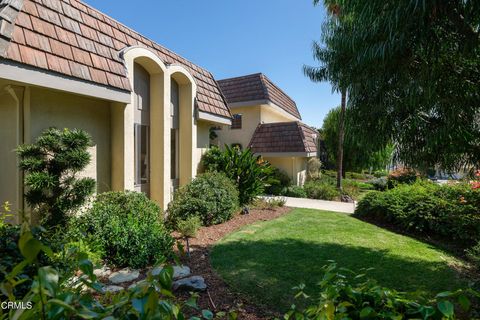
[
  {"x": 71, "y": 38},
  {"x": 256, "y": 87},
  {"x": 284, "y": 137}
]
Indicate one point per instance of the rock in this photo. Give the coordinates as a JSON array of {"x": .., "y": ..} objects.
[
  {"x": 178, "y": 271},
  {"x": 124, "y": 275},
  {"x": 75, "y": 283},
  {"x": 194, "y": 283},
  {"x": 112, "y": 288},
  {"x": 133, "y": 285},
  {"x": 346, "y": 198},
  {"x": 103, "y": 272}
]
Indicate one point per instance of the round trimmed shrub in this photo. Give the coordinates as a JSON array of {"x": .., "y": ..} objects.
[
  {"x": 128, "y": 227},
  {"x": 321, "y": 190},
  {"x": 211, "y": 196}
]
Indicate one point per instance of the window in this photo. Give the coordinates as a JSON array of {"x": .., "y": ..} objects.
[
  {"x": 174, "y": 132},
  {"x": 142, "y": 170},
  {"x": 236, "y": 121}
]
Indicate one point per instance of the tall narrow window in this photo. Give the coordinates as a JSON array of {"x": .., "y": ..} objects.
[
  {"x": 142, "y": 139},
  {"x": 237, "y": 121},
  {"x": 174, "y": 133}
]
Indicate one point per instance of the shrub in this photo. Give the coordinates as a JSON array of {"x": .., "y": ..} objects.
[
  {"x": 268, "y": 203},
  {"x": 280, "y": 182},
  {"x": 249, "y": 172},
  {"x": 51, "y": 297},
  {"x": 380, "y": 173},
  {"x": 127, "y": 227},
  {"x": 474, "y": 254},
  {"x": 211, "y": 196},
  {"x": 355, "y": 175},
  {"x": 451, "y": 211},
  {"x": 403, "y": 175},
  {"x": 313, "y": 168},
  {"x": 345, "y": 294},
  {"x": 296, "y": 192},
  {"x": 379, "y": 184},
  {"x": 51, "y": 166},
  {"x": 321, "y": 190}
]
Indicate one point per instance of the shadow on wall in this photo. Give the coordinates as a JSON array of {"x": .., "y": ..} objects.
[{"x": 268, "y": 270}]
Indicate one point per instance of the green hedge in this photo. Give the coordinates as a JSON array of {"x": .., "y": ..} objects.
[
  {"x": 211, "y": 196},
  {"x": 127, "y": 227},
  {"x": 321, "y": 190},
  {"x": 451, "y": 211}
]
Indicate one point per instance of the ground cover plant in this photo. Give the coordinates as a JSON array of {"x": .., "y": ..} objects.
[{"x": 253, "y": 260}]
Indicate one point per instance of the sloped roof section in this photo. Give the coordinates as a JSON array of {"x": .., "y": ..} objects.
[
  {"x": 71, "y": 38},
  {"x": 257, "y": 87},
  {"x": 284, "y": 137}
]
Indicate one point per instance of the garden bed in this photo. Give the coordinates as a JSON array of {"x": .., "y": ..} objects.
[{"x": 219, "y": 297}]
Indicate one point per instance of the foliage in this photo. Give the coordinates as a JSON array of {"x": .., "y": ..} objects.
[
  {"x": 296, "y": 192},
  {"x": 281, "y": 181},
  {"x": 474, "y": 254},
  {"x": 127, "y": 227},
  {"x": 51, "y": 167},
  {"x": 51, "y": 297},
  {"x": 412, "y": 71},
  {"x": 358, "y": 154},
  {"x": 313, "y": 168},
  {"x": 402, "y": 175},
  {"x": 321, "y": 190},
  {"x": 250, "y": 173},
  {"x": 268, "y": 203},
  {"x": 345, "y": 294},
  {"x": 379, "y": 184},
  {"x": 188, "y": 228},
  {"x": 380, "y": 173},
  {"x": 451, "y": 211},
  {"x": 212, "y": 197}
]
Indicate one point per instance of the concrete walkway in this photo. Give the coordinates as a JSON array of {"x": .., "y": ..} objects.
[{"x": 319, "y": 204}]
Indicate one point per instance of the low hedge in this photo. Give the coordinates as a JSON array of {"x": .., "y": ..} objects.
[
  {"x": 127, "y": 227},
  {"x": 321, "y": 189},
  {"x": 211, "y": 196},
  {"x": 451, "y": 211}
]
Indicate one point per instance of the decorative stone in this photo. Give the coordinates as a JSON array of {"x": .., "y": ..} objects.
[
  {"x": 178, "y": 271},
  {"x": 112, "y": 288},
  {"x": 103, "y": 272},
  {"x": 124, "y": 275},
  {"x": 194, "y": 283}
]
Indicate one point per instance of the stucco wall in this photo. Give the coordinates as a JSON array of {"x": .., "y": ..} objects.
[
  {"x": 251, "y": 117},
  {"x": 269, "y": 114},
  {"x": 62, "y": 110},
  {"x": 295, "y": 167},
  {"x": 203, "y": 142}
]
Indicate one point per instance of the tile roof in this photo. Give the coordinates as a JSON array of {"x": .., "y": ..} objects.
[
  {"x": 74, "y": 39},
  {"x": 284, "y": 137},
  {"x": 257, "y": 87}
]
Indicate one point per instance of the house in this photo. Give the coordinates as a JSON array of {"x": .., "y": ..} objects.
[
  {"x": 267, "y": 120},
  {"x": 67, "y": 65}
]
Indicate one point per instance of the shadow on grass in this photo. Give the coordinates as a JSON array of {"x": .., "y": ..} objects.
[{"x": 266, "y": 271}]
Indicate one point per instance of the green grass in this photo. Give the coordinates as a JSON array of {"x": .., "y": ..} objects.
[{"x": 265, "y": 260}]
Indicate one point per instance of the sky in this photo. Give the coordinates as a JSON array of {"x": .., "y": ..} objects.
[{"x": 234, "y": 38}]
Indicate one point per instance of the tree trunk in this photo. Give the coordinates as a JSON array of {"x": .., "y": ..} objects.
[{"x": 341, "y": 137}]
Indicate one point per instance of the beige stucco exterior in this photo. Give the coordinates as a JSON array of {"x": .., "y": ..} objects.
[
  {"x": 253, "y": 115},
  {"x": 27, "y": 109}
]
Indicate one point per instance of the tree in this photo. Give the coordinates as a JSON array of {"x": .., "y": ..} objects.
[
  {"x": 358, "y": 155},
  {"x": 413, "y": 76},
  {"x": 51, "y": 167},
  {"x": 333, "y": 68}
]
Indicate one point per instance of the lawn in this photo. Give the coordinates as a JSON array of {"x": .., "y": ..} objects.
[{"x": 265, "y": 260}]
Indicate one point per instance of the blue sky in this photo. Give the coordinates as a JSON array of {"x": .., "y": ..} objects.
[{"x": 234, "y": 38}]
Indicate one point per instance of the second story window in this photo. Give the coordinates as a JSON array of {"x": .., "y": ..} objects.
[{"x": 236, "y": 121}]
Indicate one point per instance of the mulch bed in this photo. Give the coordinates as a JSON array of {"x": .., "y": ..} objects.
[{"x": 219, "y": 297}]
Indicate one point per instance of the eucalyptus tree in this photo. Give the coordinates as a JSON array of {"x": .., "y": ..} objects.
[
  {"x": 334, "y": 69},
  {"x": 413, "y": 76}
]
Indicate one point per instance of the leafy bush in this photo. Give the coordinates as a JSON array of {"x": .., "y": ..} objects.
[
  {"x": 347, "y": 295},
  {"x": 321, "y": 190},
  {"x": 313, "y": 168},
  {"x": 52, "y": 297},
  {"x": 268, "y": 203},
  {"x": 379, "y": 184},
  {"x": 51, "y": 166},
  {"x": 380, "y": 173},
  {"x": 355, "y": 175},
  {"x": 127, "y": 227},
  {"x": 400, "y": 176},
  {"x": 296, "y": 192},
  {"x": 474, "y": 254},
  {"x": 451, "y": 211},
  {"x": 211, "y": 196},
  {"x": 250, "y": 173},
  {"x": 280, "y": 182}
]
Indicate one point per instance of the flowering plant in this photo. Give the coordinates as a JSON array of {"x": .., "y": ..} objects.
[{"x": 476, "y": 183}]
